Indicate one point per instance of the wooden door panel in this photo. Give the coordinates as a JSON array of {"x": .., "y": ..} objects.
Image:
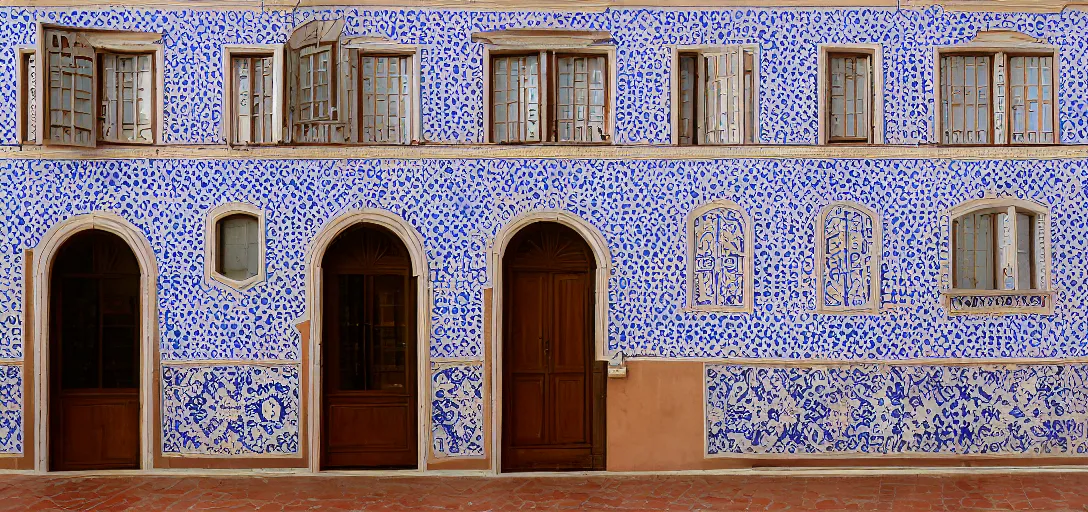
[
  {"x": 528, "y": 403},
  {"x": 99, "y": 432},
  {"x": 369, "y": 427},
  {"x": 569, "y": 341},
  {"x": 569, "y": 410},
  {"x": 528, "y": 303}
]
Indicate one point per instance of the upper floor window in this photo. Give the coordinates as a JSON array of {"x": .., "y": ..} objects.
[
  {"x": 851, "y": 101},
  {"x": 999, "y": 247},
  {"x": 386, "y": 98},
  {"x": 716, "y": 96},
  {"x": 1000, "y": 89},
  {"x": 253, "y": 100},
  {"x": 848, "y": 246},
  {"x": 720, "y": 258},
  {"x": 314, "y": 100},
  {"x": 101, "y": 87}
]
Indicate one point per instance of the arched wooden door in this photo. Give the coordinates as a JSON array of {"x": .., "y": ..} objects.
[
  {"x": 368, "y": 365},
  {"x": 94, "y": 355},
  {"x": 553, "y": 390}
]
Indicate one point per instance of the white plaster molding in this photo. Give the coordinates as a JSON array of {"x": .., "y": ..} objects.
[
  {"x": 876, "y": 251},
  {"x": 749, "y": 259}
]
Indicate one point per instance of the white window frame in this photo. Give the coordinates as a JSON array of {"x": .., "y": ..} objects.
[
  {"x": 1043, "y": 287},
  {"x": 211, "y": 244},
  {"x": 22, "y": 83},
  {"x": 700, "y": 93},
  {"x": 227, "y": 112},
  {"x": 104, "y": 41},
  {"x": 1000, "y": 45},
  {"x": 547, "y": 42},
  {"x": 749, "y": 259},
  {"x": 876, "y": 69},
  {"x": 876, "y": 249},
  {"x": 357, "y": 47}
]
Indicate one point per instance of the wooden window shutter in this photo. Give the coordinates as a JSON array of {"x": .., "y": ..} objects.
[
  {"x": 314, "y": 84},
  {"x": 69, "y": 99},
  {"x": 723, "y": 93}
]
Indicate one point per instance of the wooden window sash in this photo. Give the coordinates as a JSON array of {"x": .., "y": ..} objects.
[
  {"x": 126, "y": 92},
  {"x": 855, "y": 126},
  {"x": 370, "y": 131},
  {"x": 1020, "y": 89},
  {"x": 723, "y": 114},
  {"x": 521, "y": 97},
  {"x": 252, "y": 105},
  {"x": 948, "y": 114},
  {"x": 70, "y": 81},
  {"x": 687, "y": 77},
  {"x": 573, "y": 117},
  {"x": 309, "y": 105}
]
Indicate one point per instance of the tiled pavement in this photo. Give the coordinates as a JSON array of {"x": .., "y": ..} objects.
[{"x": 1009, "y": 491}]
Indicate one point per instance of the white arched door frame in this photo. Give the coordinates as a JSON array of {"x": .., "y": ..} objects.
[
  {"x": 414, "y": 242},
  {"x": 44, "y": 254},
  {"x": 603, "y": 259}
]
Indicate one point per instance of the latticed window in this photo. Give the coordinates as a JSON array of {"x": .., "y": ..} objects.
[
  {"x": 717, "y": 97},
  {"x": 576, "y": 96},
  {"x": 998, "y": 249},
  {"x": 386, "y": 100},
  {"x": 315, "y": 90},
  {"x": 720, "y": 258},
  {"x": 71, "y": 89},
  {"x": 848, "y": 275},
  {"x": 126, "y": 97},
  {"x": 850, "y": 97},
  {"x": 997, "y": 98},
  {"x": 252, "y": 85}
]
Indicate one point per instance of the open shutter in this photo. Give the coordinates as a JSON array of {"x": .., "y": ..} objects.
[
  {"x": 723, "y": 90},
  {"x": 314, "y": 83},
  {"x": 69, "y": 99}
]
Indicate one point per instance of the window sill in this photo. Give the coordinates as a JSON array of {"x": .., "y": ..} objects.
[{"x": 998, "y": 302}]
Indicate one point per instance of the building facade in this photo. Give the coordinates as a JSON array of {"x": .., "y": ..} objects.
[{"x": 633, "y": 238}]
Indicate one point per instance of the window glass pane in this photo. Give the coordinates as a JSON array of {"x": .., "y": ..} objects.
[
  {"x": 580, "y": 104},
  {"x": 974, "y": 251},
  {"x": 125, "y": 97},
  {"x": 849, "y": 96},
  {"x": 1030, "y": 100},
  {"x": 965, "y": 99},
  {"x": 386, "y": 100},
  {"x": 1025, "y": 225},
  {"x": 515, "y": 99},
  {"x": 239, "y": 254},
  {"x": 252, "y": 88}
]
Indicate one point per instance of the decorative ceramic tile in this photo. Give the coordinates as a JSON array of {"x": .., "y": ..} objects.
[
  {"x": 230, "y": 410},
  {"x": 457, "y": 410},
  {"x": 11, "y": 408},
  {"x": 875, "y": 410}
]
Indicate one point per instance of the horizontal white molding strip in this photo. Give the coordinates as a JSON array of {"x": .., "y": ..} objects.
[
  {"x": 934, "y": 361},
  {"x": 493, "y": 151},
  {"x": 230, "y": 362},
  {"x": 11, "y": 361},
  {"x": 568, "y": 5},
  {"x": 455, "y": 360}
]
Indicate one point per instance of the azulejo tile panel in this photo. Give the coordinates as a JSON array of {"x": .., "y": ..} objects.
[
  {"x": 230, "y": 410},
  {"x": 876, "y": 410},
  {"x": 452, "y": 82},
  {"x": 11, "y": 408},
  {"x": 457, "y": 409}
]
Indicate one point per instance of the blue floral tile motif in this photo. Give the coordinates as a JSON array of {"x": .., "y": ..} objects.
[
  {"x": 848, "y": 246},
  {"x": 230, "y": 410},
  {"x": 719, "y": 258},
  {"x": 457, "y": 409},
  {"x": 11, "y": 409},
  {"x": 876, "y": 410}
]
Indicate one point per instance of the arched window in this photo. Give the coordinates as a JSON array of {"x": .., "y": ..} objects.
[
  {"x": 998, "y": 257},
  {"x": 720, "y": 258},
  {"x": 848, "y": 247},
  {"x": 234, "y": 252}
]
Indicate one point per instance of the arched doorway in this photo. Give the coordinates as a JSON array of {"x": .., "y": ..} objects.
[
  {"x": 368, "y": 363},
  {"x": 553, "y": 389},
  {"x": 94, "y": 354}
]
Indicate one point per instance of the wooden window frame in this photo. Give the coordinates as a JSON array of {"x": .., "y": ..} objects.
[
  {"x": 100, "y": 76},
  {"x": 229, "y": 105},
  {"x": 876, "y": 250},
  {"x": 875, "y": 52},
  {"x": 386, "y": 49},
  {"x": 22, "y": 119},
  {"x": 211, "y": 244},
  {"x": 105, "y": 41},
  {"x": 1005, "y": 52},
  {"x": 549, "y": 93},
  {"x": 748, "y": 298},
  {"x": 700, "y": 52}
]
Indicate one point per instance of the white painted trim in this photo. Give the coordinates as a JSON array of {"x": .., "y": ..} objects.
[
  {"x": 749, "y": 257},
  {"x": 44, "y": 253},
  {"x": 876, "y": 250},
  {"x": 211, "y": 243},
  {"x": 413, "y": 241},
  {"x": 876, "y": 103},
  {"x": 598, "y": 245},
  {"x": 227, "y": 105},
  {"x": 21, "y": 96}
]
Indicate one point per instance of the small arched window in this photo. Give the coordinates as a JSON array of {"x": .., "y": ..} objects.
[
  {"x": 235, "y": 252},
  {"x": 720, "y": 258},
  {"x": 998, "y": 257},
  {"x": 848, "y": 247}
]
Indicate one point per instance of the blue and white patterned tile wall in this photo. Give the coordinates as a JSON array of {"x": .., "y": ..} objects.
[
  {"x": 639, "y": 206},
  {"x": 877, "y": 410},
  {"x": 452, "y": 81}
]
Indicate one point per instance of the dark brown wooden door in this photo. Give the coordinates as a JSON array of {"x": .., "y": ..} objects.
[
  {"x": 94, "y": 385},
  {"x": 553, "y": 389},
  {"x": 369, "y": 417}
]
